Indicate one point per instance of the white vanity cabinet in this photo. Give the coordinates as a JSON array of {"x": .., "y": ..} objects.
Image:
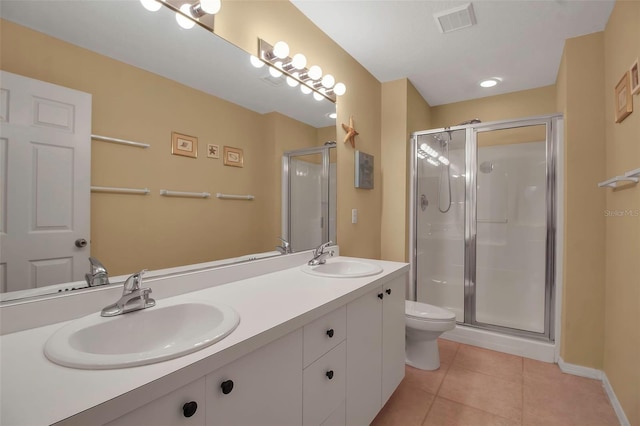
[
  {"x": 184, "y": 406},
  {"x": 261, "y": 388},
  {"x": 375, "y": 350}
]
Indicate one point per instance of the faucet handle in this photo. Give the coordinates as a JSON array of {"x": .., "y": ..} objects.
[
  {"x": 96, "y": 266},
  {"x": 321, "y": 247},
  {"x": 98, "y": 274},
  {"x": 133, "y": 283},
  {"x": 285, "y": 247}
]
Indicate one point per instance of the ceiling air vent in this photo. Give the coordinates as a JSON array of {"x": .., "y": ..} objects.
[{"x": 456, "y": 18}]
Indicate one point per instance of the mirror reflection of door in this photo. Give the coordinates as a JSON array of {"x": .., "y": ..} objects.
[
  {"x": 309, "y": 197},
  {"x": 45, "y": 161}
]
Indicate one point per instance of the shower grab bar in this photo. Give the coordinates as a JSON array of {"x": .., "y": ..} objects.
[
  {"x": 143, "y": 191},
  {"x": 234, "y": 197},
  {"x": 120, "y": 141},
  {"x": 168, "y": 193}
]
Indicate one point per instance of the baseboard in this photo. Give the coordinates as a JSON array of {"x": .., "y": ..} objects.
[
  {"x": 592, "y": 373},
  {"x": 614, "y": 401}
]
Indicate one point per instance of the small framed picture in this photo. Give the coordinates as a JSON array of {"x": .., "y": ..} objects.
[
  {"x": 233, "y": 157},
  {"x": 213, "y": 151},
  {"x": 184, "y": 145},
  {"x": 634, "y": 74},
  {"x": 622, "y": 97},
  {"x": 364, "y": 170}
]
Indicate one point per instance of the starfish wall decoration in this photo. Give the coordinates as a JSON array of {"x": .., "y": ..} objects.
[{"x": 351, "y": 133}]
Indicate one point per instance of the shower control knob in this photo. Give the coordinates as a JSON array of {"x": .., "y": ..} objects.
[
  {"x": 380, "y": 295},
  {"x": 388, "y": 291},
  {"x": 227, "y": 386},
  {"x": 190, "y": 408},
  {"x": 330, "y": 332}
]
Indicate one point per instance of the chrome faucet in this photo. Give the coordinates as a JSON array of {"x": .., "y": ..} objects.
[
  {"x": 98, "y": 275},
  {"x": 285, "y": 248},
  {"x": 319, "y": 254},
  {"x": 133, "y": 297}
]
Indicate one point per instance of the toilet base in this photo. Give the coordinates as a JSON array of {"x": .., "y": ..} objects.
[{"x": 423, "y": 354}]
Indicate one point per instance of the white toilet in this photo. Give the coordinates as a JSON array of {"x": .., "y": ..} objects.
[{"x": 424, "y": 324}]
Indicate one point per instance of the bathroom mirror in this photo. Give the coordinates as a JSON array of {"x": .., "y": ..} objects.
[{"x": 149, "y": 78}]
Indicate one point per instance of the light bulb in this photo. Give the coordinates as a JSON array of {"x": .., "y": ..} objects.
[
  {"x": 278, "y": 64},
  {"x": 281, "y": 50},
  {"x": 333, "y": 115},
  {"x": 275, "y": 73},
  {"x": 339, "y": 89},
  {"x": 184, "y": 22},
  {"x": 292, "y": 81},
  {"x": 151, "y": 5},
  {"x": 317, "y": 96},
  {"x": 328, "y": 81},
  {"x": 210, "y": 6},
  {"x": 256, "y": 62},
  {"x": 315, "y": 72},
  {"x": 299, "y": 61},
  {"x": 305, "y": 89}
]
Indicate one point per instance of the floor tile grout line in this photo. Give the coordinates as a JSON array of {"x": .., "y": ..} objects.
[
  {"x": 475, "y": 408},
  {"x": 484, "y": 374}
]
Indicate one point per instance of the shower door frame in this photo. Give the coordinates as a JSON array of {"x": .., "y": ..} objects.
[
  {"x": 470, "y": 220},
  {"x": 325, "y": 151}
]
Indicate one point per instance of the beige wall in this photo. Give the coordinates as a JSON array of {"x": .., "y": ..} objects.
[
  {"x": 403, "y": 111},
  {"x": 582, "y": 300},
  {"x": 521, "y": 104},
  {"x": 242, "y": 22},
  {"x": 622, "y": 241},
  {"x": 131, "y": 232}
]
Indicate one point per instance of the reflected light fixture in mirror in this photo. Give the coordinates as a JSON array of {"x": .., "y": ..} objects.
[
  {"x": 188, "y": 13},
  {"x": 294, "y": 68}
]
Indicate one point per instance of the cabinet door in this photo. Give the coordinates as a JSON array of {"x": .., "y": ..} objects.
[
  {"x": 364, "y": 357},
  {"x": 175, "y": 408},
  {"x": 324, "y": 386},
  {"x": 393, "y": 336},
  {"x": 262, "y": 388}
]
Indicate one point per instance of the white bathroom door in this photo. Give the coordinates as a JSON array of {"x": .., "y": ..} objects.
[{"x": 45, "y": 168}]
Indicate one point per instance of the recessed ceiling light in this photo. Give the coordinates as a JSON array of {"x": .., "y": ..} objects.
[{"x": 490, "y": 82}]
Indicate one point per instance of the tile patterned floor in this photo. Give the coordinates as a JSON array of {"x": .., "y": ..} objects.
[{"x": 479, "y": 387}]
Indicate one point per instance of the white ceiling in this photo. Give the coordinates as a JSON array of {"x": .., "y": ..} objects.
[{"x": 520, "y": 41}]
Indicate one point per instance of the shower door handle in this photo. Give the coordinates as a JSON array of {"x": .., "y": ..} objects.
[{"x": 423, "y": 202}]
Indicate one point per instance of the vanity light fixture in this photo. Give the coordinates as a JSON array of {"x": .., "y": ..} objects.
[
  {"x": 294, "y": 68},
  {"x": 188, "y": 12}
]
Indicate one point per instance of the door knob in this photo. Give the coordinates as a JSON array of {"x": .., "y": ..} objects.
[{"x": 81, "y": 242}]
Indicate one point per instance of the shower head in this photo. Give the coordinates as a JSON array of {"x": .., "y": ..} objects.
[
  {"x": 474, "y": 121},
  {"x": 486, "y": 167}
]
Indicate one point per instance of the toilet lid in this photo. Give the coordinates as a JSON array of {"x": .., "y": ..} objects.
[{"x": 424, "y": 311}]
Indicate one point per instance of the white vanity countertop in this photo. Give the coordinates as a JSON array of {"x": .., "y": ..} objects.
[{"x": 35, "y": 391}]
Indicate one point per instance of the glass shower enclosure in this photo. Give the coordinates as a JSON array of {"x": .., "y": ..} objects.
[
  {"x": 483, "y": 224},
  {"x": 309, "y": 197}
]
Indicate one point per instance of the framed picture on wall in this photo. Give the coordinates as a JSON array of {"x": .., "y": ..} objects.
[
  {"x": 622, "y": 98},
  {"x": 213, "y": 151},
  {"x": 364, "y": 170},
  {"x": 233, "y": 157},
  {"x": 634, "y": 75},
  {"x": 184, "y": 145}
]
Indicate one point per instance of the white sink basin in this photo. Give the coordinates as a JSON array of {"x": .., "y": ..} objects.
[
  {"x": 168, "y": 330},
  {"x": 342, "y": 268}
]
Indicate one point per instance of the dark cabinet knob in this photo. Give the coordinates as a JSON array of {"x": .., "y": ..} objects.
[
  {"x": 330, "y": 374},
  {"x": 380, "y": 295},
  {"x": 388, "y": 291},
  {"x": 227, "y": 386},
  {"x": 330, "y": 332},
  {"x": 190, "y": 408}
]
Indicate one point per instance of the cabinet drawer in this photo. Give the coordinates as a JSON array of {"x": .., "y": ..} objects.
[
  {"x": 171, "y": 409},
  {"x": 323, "y": 334},
  {"x": 324, "y": 386}
]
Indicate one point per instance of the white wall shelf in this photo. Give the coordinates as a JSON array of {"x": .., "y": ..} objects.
[{"x": 630, "y": 176}]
